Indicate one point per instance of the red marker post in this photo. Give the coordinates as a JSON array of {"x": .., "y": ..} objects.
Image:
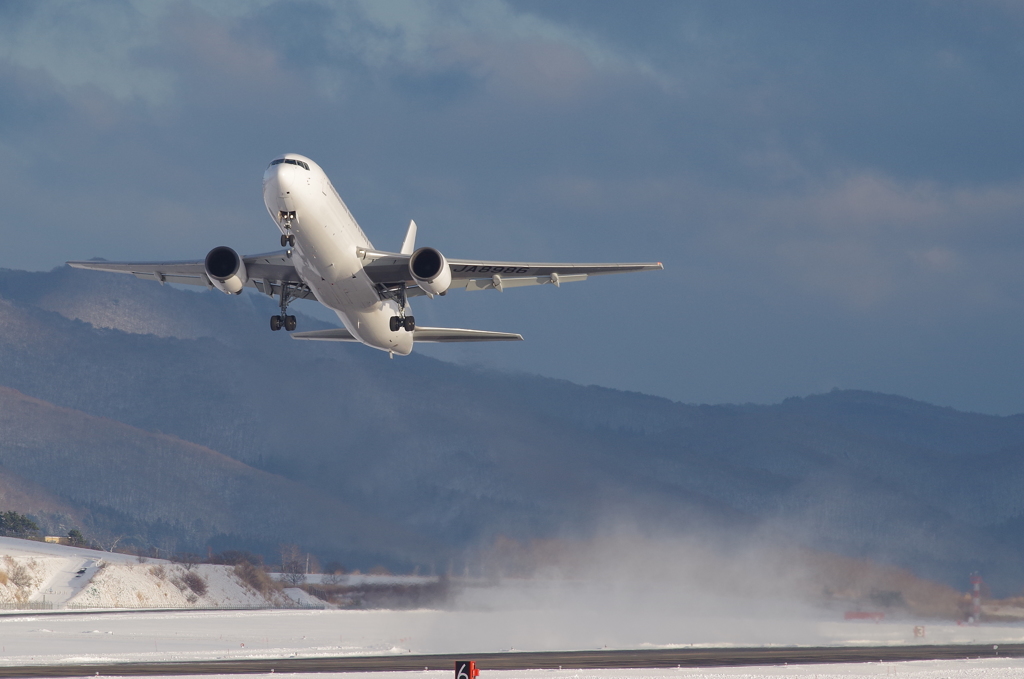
[{"x": 466, "y": 669}]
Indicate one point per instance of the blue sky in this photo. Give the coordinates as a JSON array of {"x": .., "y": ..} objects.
[{"x": 836, "y": 189}]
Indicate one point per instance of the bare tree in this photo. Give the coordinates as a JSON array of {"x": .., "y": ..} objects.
[
  {"x": 334, "y": 573},
  {"x": 113, "y": 545},
  {"x": 293, "y": 565}
]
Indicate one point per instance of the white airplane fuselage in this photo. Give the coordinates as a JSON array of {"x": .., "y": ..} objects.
[{"x": 325, "y": 254}]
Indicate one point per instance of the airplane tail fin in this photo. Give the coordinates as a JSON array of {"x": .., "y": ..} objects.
[{"x": 409, "y": 244}]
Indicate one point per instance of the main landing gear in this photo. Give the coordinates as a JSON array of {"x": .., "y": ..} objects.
[
  {"x": 401, "y": 320},
  {"x": 284, "y": 320},
  {"x": 407, "y": 322},
  {"x": 287, "y": 239}
]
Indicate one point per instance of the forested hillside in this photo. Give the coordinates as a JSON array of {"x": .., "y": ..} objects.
[{"x": 175, "y": 414}]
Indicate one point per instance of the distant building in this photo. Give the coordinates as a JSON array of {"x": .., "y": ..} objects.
[{"x": 58, "y": 540}]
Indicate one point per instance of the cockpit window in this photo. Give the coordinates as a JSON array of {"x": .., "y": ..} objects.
[{"x": 290, "y": 161}]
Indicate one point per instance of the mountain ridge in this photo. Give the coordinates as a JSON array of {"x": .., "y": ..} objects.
[
  {"x": 172, "y": 483},
  {"x": 456, "y": 456}
]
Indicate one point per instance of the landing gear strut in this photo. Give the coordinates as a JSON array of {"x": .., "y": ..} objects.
[
  {"x": 284, "y": 320},
  {"x": 286, "y": 218},
  {"x": 401, "y": 320}
]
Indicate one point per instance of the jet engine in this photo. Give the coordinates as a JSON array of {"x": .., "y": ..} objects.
[
  {"x": 226, "y": 270},
  {"x": 430, "y": 270}
]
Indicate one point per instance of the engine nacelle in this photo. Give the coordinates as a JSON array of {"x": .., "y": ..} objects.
[
  {"x": 430, "y": 270},
  {"x": 226, "y": 270}
]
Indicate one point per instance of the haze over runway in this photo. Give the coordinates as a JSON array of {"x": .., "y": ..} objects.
[{"x": 836, "y": 191}]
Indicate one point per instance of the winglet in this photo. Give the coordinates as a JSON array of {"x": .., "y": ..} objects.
[{"x": 409, "y": 244}]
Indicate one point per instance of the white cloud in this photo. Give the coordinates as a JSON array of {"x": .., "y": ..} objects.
[
  {"x": 863, "y": 242},
  {"x": 126, "y": 48},
  {"x": 938, "y": 259},
  {"x": 89, "y": 44},
  {"x": 869, "y": 240}
]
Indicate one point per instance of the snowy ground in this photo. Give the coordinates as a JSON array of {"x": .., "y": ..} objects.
[
  {"x": 32, "y": 548},
  {"x": 210, "y": 635},
  {"x": 70, "y": 575},
  {"x": 65, "y": 576},
  {"x": 516, "y": 617}
]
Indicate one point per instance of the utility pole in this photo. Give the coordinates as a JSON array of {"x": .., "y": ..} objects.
[{"x": 975, "y": 597}]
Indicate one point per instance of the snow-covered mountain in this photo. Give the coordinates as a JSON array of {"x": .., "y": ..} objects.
[{"x": 162, "y": 413}]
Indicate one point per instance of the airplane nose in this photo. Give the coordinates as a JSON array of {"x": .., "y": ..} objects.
[{"x": 277, "y": 182}]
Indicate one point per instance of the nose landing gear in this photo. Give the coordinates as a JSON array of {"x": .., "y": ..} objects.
[{"x": 286, "y": 219}]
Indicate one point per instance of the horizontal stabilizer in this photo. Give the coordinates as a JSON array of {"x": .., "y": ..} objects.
[
  {"x": 331, "y": 335},
  {"x": 461, "y": 335},
  {"x": 419, "y": 335}
]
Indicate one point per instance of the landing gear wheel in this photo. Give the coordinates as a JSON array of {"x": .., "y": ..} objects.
[
  {"x": 291, "y": 240},
  {"x": 409, "y": 323},
  {"x": 396, "y": 323},
  {"x": 289, "y": 323},
  {"x": 275, "y": 323},
  {"x": 284, "y": 240}
]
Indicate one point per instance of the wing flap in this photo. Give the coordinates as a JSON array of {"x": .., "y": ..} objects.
[
  {"x": 266, "y": 272},
  {"x": 464, "y": 268},
  {"x": 391, "y": 268},
  {"x": 497, "y": 282},
  {"x": 182, "y": 268},
  {"x": 172, "y": 278}
]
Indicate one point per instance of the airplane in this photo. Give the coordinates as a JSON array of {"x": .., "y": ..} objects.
[{"x": 328, "y": 258}]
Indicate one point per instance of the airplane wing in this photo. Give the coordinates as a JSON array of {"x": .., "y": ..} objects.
[
  {"x": 266, "y": 272},
  {"x": 392, "y": 268},
  {"x": 420, "y": 335}
]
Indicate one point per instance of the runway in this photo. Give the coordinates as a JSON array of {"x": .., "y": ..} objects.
[{"x": 682, "y": 657}]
